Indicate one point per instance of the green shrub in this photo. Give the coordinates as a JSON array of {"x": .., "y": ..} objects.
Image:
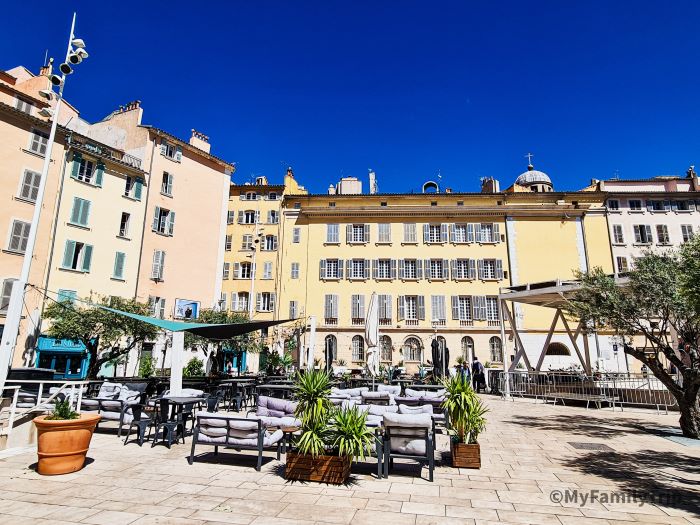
[
  {"x": 62, "y": 410},
  {"x": 195, "y": 367},
  {"x": 146, "y": 366}
]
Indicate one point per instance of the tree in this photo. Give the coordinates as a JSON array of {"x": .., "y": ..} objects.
[
  {"x": 107, "y": 336},
  {"x": 661, "y": 298}
]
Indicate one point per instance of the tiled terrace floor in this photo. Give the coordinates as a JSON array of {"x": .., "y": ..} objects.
[{"x": 525, "y": 452}]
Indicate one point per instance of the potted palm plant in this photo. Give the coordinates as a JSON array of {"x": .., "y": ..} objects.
[
  {"x": 63, "y": 439},
  {"x": 466, "y": 416},
  {"x": 330, "y": 437}
]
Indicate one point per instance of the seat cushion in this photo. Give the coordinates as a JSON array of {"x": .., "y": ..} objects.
[
  {"x": 418, "y": 421},
  {"x": 275, "y": 407},
  {"x": 109, "y": 390},
  {"x": 391, "y": 389},
  {"x": 420, "y": 409},
  {"x": 409, "y": 446}
]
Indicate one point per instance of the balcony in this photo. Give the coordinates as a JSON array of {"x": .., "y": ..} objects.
[
  {"x": 358, "y": 321},
  {"x": 496, "y": 322},
  {"x": 103, "y": 151},
  {"x": 411, "y": 322},
  {"x": 466, "y": 322},
  {"x": 330, "y": 321},
  {"x": 384, "y": 322}
]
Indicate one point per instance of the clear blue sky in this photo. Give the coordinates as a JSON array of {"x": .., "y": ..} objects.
[{"x": 407, "y": 88}]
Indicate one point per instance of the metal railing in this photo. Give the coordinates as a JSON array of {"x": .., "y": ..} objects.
[
  {"x": 615, "y": 389},
  {"x": 32, "y": 395},
  {"x": 13, "y": 409}
]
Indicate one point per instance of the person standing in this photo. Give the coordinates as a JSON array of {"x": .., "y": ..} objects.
[{"x": 477, "y": 374}]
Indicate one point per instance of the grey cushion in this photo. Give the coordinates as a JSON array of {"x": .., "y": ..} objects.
[
  {"x": 275, "y": 407},
  {"x": 410, "y": 392},
  {"x": 392, "y": 389},
  {"x": 109, "y": 390},
  {"x": 418, "y": 421},
  {"x": 410, "y": 443},
  {"x": 421, "y": 409},
  {"x": 352, "y": 392}
]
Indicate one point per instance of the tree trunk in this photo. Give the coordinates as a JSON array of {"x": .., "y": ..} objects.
[{"x": 690, "y": 412}]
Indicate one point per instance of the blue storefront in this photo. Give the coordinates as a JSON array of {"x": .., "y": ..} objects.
[{"x": 70, "y": 359}]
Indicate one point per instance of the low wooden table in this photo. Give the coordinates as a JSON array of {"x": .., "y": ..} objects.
[{"x": 287, "y": 433}]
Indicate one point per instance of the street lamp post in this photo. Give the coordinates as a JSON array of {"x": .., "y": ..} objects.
[{"x": 74, "y": 55}]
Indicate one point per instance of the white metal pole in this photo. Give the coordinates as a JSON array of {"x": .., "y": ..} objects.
[
  {"x": 502, "y": 304},
  {"x": 14, "y": 310},
  {"x": 312, "y": 342}
]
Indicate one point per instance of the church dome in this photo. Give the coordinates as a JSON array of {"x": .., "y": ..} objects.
[{"x": 533, "y": 176}]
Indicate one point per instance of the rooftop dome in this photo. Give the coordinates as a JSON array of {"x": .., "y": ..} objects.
[{"x": 532, "y": 176}]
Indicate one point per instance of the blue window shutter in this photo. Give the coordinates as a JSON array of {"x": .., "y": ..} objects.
[
  {"x": 138, "y": 188},
  {"x": 75, "y": 212},
  {"x": 119, "y": 265},
  {"x": 77, "y": 157},
  {"x": 99, "y": 173},
  {"x": 68, "y": 254},
  {"x": 87, "y": 257},
  {"x": 85, "y": 212}
]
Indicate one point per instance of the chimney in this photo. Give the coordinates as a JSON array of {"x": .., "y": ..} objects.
[
  {"x": 200, "y": 141},
  {"x": 490, "y": 185},
  {"x": 46, "y": 70},
  {"x": 448, "y": 190},
  {"x": 290, "y": 172},
  {"x": 331, "y": 190},
  {"x": 373, "y": 188}
]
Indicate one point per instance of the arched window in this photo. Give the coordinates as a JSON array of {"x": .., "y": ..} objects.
[
  {"x": 385, "y": 348},
  {"x": 496, "y": 349},
  {"x": 557, "y": 349},
  {"x": 251, "y": 196},
  {"x": 411, "y": 349},
  {"x": 358, "y": 348},
  {"x": 467, "y": 348},
  {"x": 331, "y": 348}
]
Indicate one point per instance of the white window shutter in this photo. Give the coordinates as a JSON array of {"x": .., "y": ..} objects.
[
  {"x": 241, "y": 217},
  {"x": 480, "y": 267},
  {"x": 388, "y": 306},
  {"x": 648, "y": 230},
  {"x": 178, "y": 154},
  {"x": 362, "y": 307},
  {"x": 402, "y": 269},
  {"x": 426, "y": 233},
  {"x": 375, "y": 264},
  {"x": 453, "y": 265},
  {"x": 156, "y": 216},
  {"x": 393, "y": 268},
  {"x": 445, "y": 269},
  {"x": 472, "y": 269},
  {"x": 335, "y": 305},
  {"x": 171, "y": 223},
  {"x": 163, "y": 147},
  {"x": 434, "y": 308},
  {"x": 421, "y": 307},
  {"x": 452, "y": 232},
  {"x": 273, "y": 300},
  {"x": 348, "y": 234},
  {"x": 257, "y": 217},
  {"x": 496, "y": 233},
  {"x": 340, "y": 268},
  {"x": 455, "y": 307},
  {"x": 419, "y": 269},
  {"x": 444, "y": 232},
  {"x": 327, "y": 307},
  {"x": 366, "y": 268},
  {"x": 499, "y": 269},
  {"x": 470, "y": 232},
  {"x": 366, "y": 232},
  {"x": 258, "y": 301},
  {"x": 322, "y": 269},
  {"x": 402, "y": 307}
]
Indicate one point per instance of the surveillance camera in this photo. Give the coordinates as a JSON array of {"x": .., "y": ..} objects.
[
  {"x": 56, "y": 80},
  {"x": 65, "y": 68}
]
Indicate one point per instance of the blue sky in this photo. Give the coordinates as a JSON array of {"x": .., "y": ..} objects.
[{"x": 407, "y": 88}]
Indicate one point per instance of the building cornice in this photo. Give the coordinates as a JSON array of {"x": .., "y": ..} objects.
[
  {"x": 445, "y": 212},
  {"x": 189, "y": 147}
]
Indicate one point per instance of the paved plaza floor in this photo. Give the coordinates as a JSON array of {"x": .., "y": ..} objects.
[{"x": 531, "y": 474}]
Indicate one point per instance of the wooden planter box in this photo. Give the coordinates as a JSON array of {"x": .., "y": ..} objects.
[
  {"x": 465, "y": 455},
  {"x": 325, "y": 469}
]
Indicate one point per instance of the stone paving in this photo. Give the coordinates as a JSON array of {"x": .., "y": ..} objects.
[{"x": 527, "y": 462}]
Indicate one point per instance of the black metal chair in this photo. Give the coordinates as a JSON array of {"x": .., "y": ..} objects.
[
  {"x": 213, "y": 402},
  {"x": 409, "y": 437},
  {"x": 141, "y": 421},
  {"x": 170, "y": 425}
]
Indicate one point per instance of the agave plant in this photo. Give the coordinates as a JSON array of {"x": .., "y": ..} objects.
[
  {"x": 464, "y": 409},
  {"x": 350, "y": 435},
  {"x": 314, "y": 410}
]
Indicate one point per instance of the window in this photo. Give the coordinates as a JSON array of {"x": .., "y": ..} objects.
[
  {"x": 384, "y": 309},
  {"x": 357, "y": 233},
  {"x": 411, "y": 349},
  {"x": 81, "y": 212},
  {"x": 18, "y": 236},
  {"x": 622, "y": 265},
  {"x": 266, "y": 302},
  {"x": 250, "y": 196},
  {"x": 86, "y": 170},
  {"x": 270, "y": 243},
  {"x": 158, "y": 265},
  {"x": 479, "y": 308},
  {"x": 613, "y": 205},
  {"x": 662, "y": 234},
  {"x": 248, "y": 217},
  {"x": 226, "y": 271},
  {"x": 385, "y": 348},
  {"x": 410, "y": 269},
  {"x": 66, "y": 295},
  {"x": 467, "y": 348},
  {"x": 39, "y": 142},
  {"x": 295, "y": 270},
  {"x": 358, "y": 348},
  {"x": 642, "y": 234},
  {"x": 462, "y": 308},
  {"x": 166, "y": 187},
  {"x": 618, "y": 234},
  {"x": 30, "y": 185},
  {"x": 296, "y": 235},
  {"x": 635, "y": 205},
  {"x": 330, "y": 309},
  {"x": 293, "y": 309},
  {"x": 230, "y": 217},
  {"x": 330, "y": 348},
  {"x": 490, "y": 269},
  {"x": 245, "y": 270},
  {"x": 384, "y": 269},
  {"x": 411, "y": 308},
  {"x": 239, "y": 301},
  {"x": 332, "y": 235},
  {"x": 488, "y": 233},
  {"x": 247, "y": 242},
  {"x": 173, "y": 152},
  {"x": 658, "y": 205},
  {"x": 437, "y": 268},
  {"x": 686, "y": 232},
  {"x": 492, "y": 309},
  {"x": 228, "y": 242},
  {"x": 464, "y": 269},
  {"x": 222, "y": 302},
  {"x": 77, "y": 256},
  {"x": 496, "y": 350},
  {"x": 119, "y": 260},
  {"x": 437, "y": 308},
  {"x": 409, "y": 233},
  {"x": 163, "y": 221},
  {"x": 124, "y": 224},
  {"x": 558, "y": 349},
  {"x": 357, "y": 309},
  {"x": 272, "y": 196},
  {"x": 133, "y": 188},
  {"x": 384, "y": 233},
  {"x": 24, "y": 106},
  {"x": 297, "y": 205},
  {"x": 157, "y": 306},
  {"x": 683, "y": 205},
  {"x": 273, "y": 217},
  {"x": 331, "y": 269},
  {"x": 459, "y": 233},
  {"x": 267, "y": 270},
  {"x": 432, "y": 233},
  {"x": 358, "y": 269},
  {"x": 5, "y": 294}
]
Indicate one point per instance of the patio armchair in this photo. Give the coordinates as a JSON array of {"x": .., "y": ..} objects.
[
  {"x": 275, "y": 412},
  {"x": 239, "y": 433},
  {"x": 114, "y": 402},
  {"x": 169, "y": 425},
  {"x": 409, "y": 436},
  {"x": 375, "y": 413}
]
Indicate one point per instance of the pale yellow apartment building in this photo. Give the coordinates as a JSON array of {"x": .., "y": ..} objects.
[{"x": 436, "y": 260}]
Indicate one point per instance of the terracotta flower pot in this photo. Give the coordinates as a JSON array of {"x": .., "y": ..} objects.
[
  {"x": 63, "y": 443},
  {"x": 465, "y": 455}
]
